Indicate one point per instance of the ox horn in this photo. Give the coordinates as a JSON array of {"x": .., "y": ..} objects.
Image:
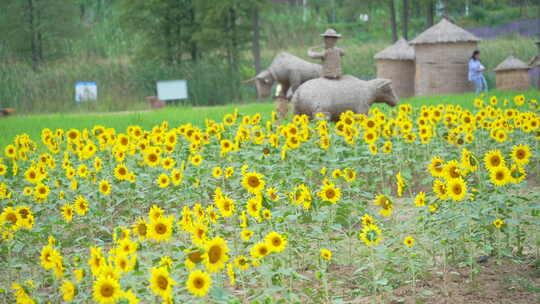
[{"x": 249, "y": 80}]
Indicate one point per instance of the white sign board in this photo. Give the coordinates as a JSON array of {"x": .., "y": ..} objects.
[
  {"x": 172, "y": 90},
  {"x": 85, "y": 91}
]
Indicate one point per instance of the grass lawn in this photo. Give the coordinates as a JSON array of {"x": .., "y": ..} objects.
[{"x": 33, "y": 124}]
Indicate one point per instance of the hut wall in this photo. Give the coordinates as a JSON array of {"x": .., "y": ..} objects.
[
  {"x": 442, "y": 68},
  {"x": 401, "y": 72},
  {"x": 513, "y": 80}
]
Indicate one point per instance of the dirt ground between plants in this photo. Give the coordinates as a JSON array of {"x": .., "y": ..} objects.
[{"x": 510, "y": 282}]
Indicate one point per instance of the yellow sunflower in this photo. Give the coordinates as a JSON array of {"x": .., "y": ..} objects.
[
  {"x": 198, "y": 283},
  {"x": 275, "y": 241},
  {"x": 498, "y": 223},
  {"x": 121, "y": 172},
  {"x": 440, "y": 188},
  {"x": 140, "y": 228},
  {"x": 521, "y": 154},
  {"x": 215, "y": 255},
  {"x": 253, "y": 182},
  {"x": 81, "y": 205},
  {"x": 436, "y": 167},
  {"x": 500, "y": 176},
  {"x": 163, "y": 180},
  {"x": 67, "y": 213},
  {"x": 330, "y": 193},
  {"x": 106, "y": 290},
  {"x": 385, "y": 203},
  {"x": 370, "y": 235},
  {"x": 260, "y": 250},
  {"x": 105, "y": 187},
  {"x": 160, "y": 229},
  {"x": 494, "y": 159},
  {"x": 457, "y": 189},
  {"x": 451, "y": 170},
  {"x": 160, "y": 282},
  {"x": 326, "y": 254},
  {"x": 420, "y": 199},
  {"x": 409, "y": 241}
]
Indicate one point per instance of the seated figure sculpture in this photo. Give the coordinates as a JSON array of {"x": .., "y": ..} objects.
[
  {"x": 333, "y": 93},
  {"x": 331, "y": 57}
]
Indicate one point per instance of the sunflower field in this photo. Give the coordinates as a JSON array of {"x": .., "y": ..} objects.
[{"x": 245, "y": 210}]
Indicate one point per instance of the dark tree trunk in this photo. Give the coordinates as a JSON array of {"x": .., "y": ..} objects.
[
  {"x": 539, "y": 28},
  {"x": 405, "y": 19},
  {"x": 33, "y": 34},
  {"x": 39, "y": 34},
  {"x": 255, "y": 44},
  {"x": 167, "y": 31},
  {"x": 430, "y": 13},
  {"x": 416, "y": 8},
  {"x": 234, "y": 51},
  {"x": 393, "y": 22},
  {"x": 82, "y": 9},
  {"x": 192, "y": 24}
]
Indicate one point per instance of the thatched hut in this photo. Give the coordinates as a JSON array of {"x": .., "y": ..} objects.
[
  {"x": 442, "y": 55},
  {"x": 396, "y": 63},
  {"x": 512, "y": 74}
]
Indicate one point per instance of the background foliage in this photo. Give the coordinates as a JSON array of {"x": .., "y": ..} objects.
[{"x": 125, "y": 46}]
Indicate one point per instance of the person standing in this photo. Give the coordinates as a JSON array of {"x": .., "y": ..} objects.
[
  {"x": 331, "y": 56},
  {"x": 476, "y": 73}
]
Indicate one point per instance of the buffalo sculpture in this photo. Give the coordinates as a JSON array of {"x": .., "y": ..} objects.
[
  {"x": 289, "y": 71},
  {"x": 333, "y": 97}
]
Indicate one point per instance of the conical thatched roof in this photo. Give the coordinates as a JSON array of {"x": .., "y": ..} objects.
[
  {"x": 512, "y": 63},
  {"x": 444, "y": 32},
  {"x": 401, "y": 50}
]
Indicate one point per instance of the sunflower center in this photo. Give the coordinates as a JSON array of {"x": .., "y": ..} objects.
[
  {"x": 107, "y": 290},
  {"x": 162, "y": 282},
  {"x": 24, "y": 213},
  {"x": 520, "y": 154},
  {"x": 12, "y": 218},
  {"x": 495, "y": 161},
  {"x": 214, "y": 254},
  {"x": 330, "y": 193},
  {"x": 457, "y": 189},
  {"x": 198, "y": 283},
  {"x": 142, "y": 229},
  {"x": 161, "y": 228},
  {"x": 195, "y": 257},
  {"x": 263, "y": 250},
  {"x": 253, "y": 181},
  {"x": 499, "y": 175},
  {"x": 276, "y": 242},
  {"x": 200, "y": 233}
]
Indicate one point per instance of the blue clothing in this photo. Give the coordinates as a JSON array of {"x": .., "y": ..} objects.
[
  {"x": 477, "y": 76},
  {"x": 480, "y": 84},
  {"x": 474, "y": 69}
]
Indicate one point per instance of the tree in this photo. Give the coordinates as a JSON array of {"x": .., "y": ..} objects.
[
  {"x": 36, "y": 30},
  {"x": 430, "y": 13},
  {"x": 393, "y": 22},
  {"x": 167, "y": 28},
  {"x": 405, "y": 19},
  {"x": 255, "y": 43}
]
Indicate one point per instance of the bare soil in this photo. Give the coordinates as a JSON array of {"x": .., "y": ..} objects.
[{"x": 509, "y": 282}]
